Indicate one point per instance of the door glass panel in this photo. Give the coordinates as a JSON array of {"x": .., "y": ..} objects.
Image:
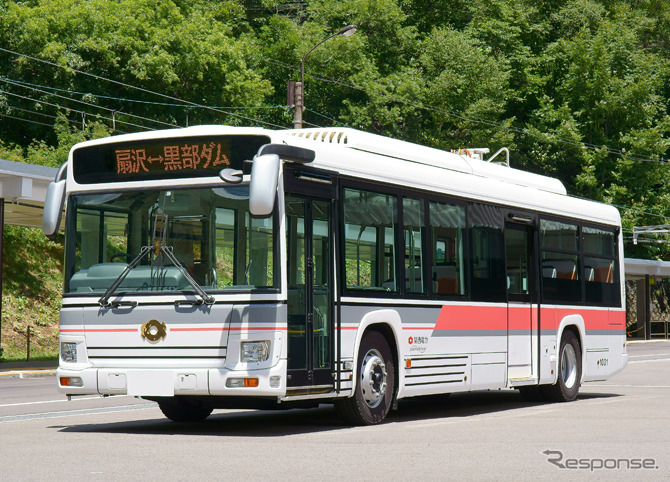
[
  {"x": 297, "y": 308},
  {"x": 309, "y": 272},
  {"x": 321, "y": 289},
  {"x": 516, "y": 251},
  {"x": 487, "y": 253},
  {"x": 413, "y": 226},
  {"x": 519, "y": 265}
]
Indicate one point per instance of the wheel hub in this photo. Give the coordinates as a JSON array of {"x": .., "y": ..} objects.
[
  {"x": 569, "y": 366},
  {"x": 373, "y": 378}
]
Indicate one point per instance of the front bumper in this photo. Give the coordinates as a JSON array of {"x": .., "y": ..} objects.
[{"x": 168, "y": 382}]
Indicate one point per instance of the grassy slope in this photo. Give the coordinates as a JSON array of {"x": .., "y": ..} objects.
[{"x": 32, "y": 289}]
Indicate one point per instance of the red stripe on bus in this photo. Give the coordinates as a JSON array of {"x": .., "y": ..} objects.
[
  {"x": 467, "y": 317},
  {"x": 134, "y": 330},
  {"x": 463, "y": 317},
  {"x": 112, "y": 330},
  {"x": 254, "y": 328},
  {"x": 617, "y": 319},
  {"x": 593, "y": 319},
  {"x": 548, "y": 318},
  {"x": 259, "y": 328},
  {"x": 521, "y": 317},
  {"x": 199, "y": 329}
]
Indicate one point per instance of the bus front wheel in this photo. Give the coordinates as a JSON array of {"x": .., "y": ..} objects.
[
  {"x": 569, "y": 371},
  {"x": 184, "y": 410},
  {"x": 375, "y": 385}
]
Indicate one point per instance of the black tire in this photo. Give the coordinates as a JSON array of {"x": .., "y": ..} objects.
[
  {"x": 375, "y": 385},
  {"x": 184, "y": 410},
  {"x": 569, "y": 371}
]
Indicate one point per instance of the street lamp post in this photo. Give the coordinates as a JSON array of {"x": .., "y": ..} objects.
[{"x": 299, "y": 93}]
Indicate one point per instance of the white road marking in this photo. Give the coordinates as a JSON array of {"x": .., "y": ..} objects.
[
  {"x": 648, "y": 361},
  {"x": 647, "y": 356},
  {"x": 625, "y": 386},
  {"x": 97, "y": 397},
  {"x": 72, "y": 413}
]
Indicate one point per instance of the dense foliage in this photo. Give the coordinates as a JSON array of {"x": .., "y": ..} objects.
[
  {"x": 31, "y": 298},
  {"x": 578, "y": 89}
]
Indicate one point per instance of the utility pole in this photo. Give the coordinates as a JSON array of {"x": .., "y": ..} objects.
[
  {"x": 298, "y": 105},
  {"x": 296, "y": 90}
]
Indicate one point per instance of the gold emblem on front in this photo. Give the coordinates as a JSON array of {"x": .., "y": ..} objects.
[{"x": 154, "y": 330}]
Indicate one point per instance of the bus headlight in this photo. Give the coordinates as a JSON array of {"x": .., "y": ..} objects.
[
  {"x": 255, "y": 351},
  {"x": 68, "y": 352}
]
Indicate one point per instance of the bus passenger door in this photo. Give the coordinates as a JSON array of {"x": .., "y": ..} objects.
[
  {"x": 310, "y": 294},
  {"x": 521, "y": 295}
]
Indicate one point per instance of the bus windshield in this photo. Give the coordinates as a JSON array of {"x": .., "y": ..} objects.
[{"x": 208, "y": 230}]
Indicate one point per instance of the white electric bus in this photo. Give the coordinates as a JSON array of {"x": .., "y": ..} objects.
[{"x": 214, "y": 266}]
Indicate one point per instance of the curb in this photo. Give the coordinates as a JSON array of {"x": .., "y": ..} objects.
[
  {"x": 32, "y": 369},
  {"x": 27, "y": 373}
]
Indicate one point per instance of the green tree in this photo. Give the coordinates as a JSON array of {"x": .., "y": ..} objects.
[
  {"x": 577, "y": 88},
  {"x": 466, "y": 88},
  {"x": 198, "y": 51},
  {"x": 602, "y": 119}
]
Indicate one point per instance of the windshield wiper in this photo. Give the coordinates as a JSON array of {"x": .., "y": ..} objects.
[
  {"x": 167, "y": 251},
  {"x": 206, "y": 299},
  {"x": 104, "y": 301}
]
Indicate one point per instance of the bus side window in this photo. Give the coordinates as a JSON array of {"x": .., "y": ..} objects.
[
  {"x": 561, "y": 280},
  {"x": 601, "y": 274},
  {"x": 487, "y": 252},
  {"x": 370, "y": 223},
  {"x": 447, "y": 230}
]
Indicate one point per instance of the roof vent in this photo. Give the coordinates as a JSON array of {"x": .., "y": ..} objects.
[{"x": 327, "y": 136}]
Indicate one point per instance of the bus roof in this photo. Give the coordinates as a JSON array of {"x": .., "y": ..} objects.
[
  {"x": 415, "y": 153},
  {"x": 404, "y": 163}
]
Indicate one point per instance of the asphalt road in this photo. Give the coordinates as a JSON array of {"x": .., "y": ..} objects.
[{"x": 615, "y": 430}]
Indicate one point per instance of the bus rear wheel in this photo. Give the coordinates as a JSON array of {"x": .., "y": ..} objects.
[
  {"x": 184, "y": 410},
  {"x": 375, "y": 385},
  {"x": 569, "y": 371}
]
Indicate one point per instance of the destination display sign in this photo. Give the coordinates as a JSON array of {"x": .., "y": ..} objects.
[
  {"x": 172, "y": 157},
  {"x": 163, "y": 158}
]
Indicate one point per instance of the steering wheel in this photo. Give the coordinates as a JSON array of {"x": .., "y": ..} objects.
[{"x": 127, "y": 256}]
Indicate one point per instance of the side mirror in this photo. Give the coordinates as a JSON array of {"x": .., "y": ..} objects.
[
  {"x": 53, "y": 208},
  {"x": 263, "y": 186}
]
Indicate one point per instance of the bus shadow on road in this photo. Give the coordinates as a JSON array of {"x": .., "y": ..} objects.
[
  {"x": 235, "y": 423},
  {"x": 274, "y": 423},
  {"x": 471, "y": 404}
]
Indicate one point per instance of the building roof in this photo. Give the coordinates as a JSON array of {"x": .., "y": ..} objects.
[
  {"x": 23, "y": 188},
  {"x": 24, "y": 169},
  {"x": 638, "y": 268}
]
